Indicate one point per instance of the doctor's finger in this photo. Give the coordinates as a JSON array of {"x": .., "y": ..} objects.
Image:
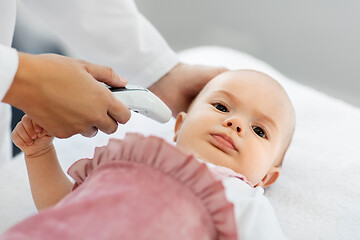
[
  {"x": 107, "y": 125},
  {"x": 91, "y": 132},
  {"x": 106, "y": 75},
  {"x": 119, "y": 112}
]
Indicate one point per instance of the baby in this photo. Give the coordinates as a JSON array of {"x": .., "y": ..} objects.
[{"x": 242, "y": 120}]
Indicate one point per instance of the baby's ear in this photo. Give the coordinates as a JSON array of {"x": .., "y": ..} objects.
[
  {"x": 271, "y": 176},
  {"x": 179, "y": 121}
]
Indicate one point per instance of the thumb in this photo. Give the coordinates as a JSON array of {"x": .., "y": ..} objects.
[{"x": 106, "y": 75}]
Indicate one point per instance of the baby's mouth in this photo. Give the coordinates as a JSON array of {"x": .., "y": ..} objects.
[{"x": 223, "y": 141}]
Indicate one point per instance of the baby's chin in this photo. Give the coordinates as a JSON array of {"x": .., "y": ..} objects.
[
  {"x": 215, "y": 158},
  {"x": 189, "y": 150}
]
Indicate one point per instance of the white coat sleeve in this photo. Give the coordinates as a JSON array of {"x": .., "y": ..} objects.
[
  {"x": 9, "y": 61},
  {"x": 255, "y": 217},
  {"x": 109, "y": 32}
]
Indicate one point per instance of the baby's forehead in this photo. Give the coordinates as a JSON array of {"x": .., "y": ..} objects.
[
  {"x": 236, "y": 81},
  {"x": 244, "y": 76}
]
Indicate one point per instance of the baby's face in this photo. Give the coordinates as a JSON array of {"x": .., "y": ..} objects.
[{"x": 240, "y": 120}]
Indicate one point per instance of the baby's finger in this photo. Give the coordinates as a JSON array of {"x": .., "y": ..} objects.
[
  {"x": 42, "y": 133},
  {"x": 23, "y": 134},
  {"x": 17, "y": 139},
  {"x": 28, "y": 126},
  {"x": 38, "y": 128}
]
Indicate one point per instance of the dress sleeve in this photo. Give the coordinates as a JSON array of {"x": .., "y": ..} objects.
[
  {"x": 255, "y": 217},
  {"x": 109, "y": 32},
  {"x": 9, "y": 62}
]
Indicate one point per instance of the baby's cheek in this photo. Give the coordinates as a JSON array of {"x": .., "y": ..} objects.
[{"x": 187, "y": 146}]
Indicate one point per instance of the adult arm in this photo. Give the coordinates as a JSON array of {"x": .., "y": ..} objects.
[
  {"x": 116, "y": 34},
  {"x": 57, "y": 92},
  {"x": 65, "y": 96},
  {"x": 108, "y": 32},
  {"x": 8, "y": 67}
]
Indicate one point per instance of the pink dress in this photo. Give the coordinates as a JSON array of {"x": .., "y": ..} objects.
[{"x": 137, "y": 188}]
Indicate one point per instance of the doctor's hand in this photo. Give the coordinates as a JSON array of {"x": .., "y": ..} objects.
[
  {"x": 180, "y": 86},
  {"x": 65, "y": 96}
]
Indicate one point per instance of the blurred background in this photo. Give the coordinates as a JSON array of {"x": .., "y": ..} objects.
[{"x": 312, "y": 42}]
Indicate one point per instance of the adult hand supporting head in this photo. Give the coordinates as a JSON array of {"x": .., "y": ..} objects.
[
  {"x": 180, "y": 86},
  {"x": 65, "y": 96}
]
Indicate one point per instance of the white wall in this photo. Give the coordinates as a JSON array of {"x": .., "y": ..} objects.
[{"x": 313, "y": 42}]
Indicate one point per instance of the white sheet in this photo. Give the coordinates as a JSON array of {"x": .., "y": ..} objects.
[{"x": 318, "y": 193}]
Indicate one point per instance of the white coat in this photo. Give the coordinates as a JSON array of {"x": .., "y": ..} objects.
[{"x": 108, "y": 32}]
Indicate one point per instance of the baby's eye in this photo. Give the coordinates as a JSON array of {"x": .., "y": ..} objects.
[
  {"x": 220, "y": 107},
  {"x": 259, "y": 131}
]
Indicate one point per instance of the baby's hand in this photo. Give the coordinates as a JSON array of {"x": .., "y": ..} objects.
[{"x": 31, "y": 138}]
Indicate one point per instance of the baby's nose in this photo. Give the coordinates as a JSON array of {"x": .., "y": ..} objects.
[{"x": 230, "y": 124}]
